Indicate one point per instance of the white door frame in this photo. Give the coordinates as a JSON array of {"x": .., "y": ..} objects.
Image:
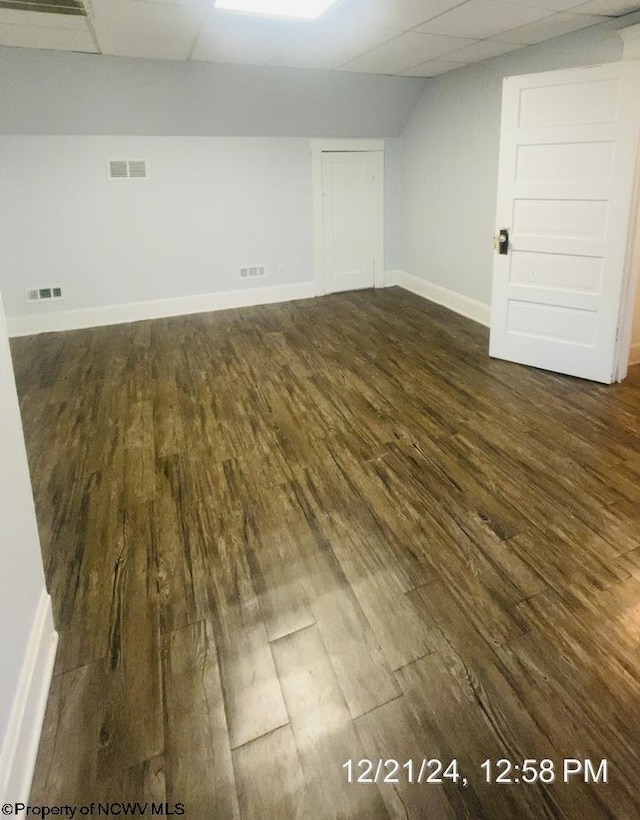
[
  {"x": 631, "y": 282},
  {"x": 631, "y": 51},
  {"x": 318, "y": 146}
]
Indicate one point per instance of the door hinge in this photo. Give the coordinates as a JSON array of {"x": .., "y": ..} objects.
[{"x": 617, "y": 334}]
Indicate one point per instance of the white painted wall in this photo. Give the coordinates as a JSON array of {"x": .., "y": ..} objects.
[
  {"x": 26, "y": 637},
  {"x": 450, "y": 160}
]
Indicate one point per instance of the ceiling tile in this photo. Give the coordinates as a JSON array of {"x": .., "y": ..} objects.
[
  {"x": 479, "y": 19},
  {"x": 548, "y": 28},
  {"x": 549, "y": 5},
  {"x": 57, "y": 39},
  {"x": 431, "y": 68},
  {"x": 403, "y": 52},
  {"x": 484, "y": 50},
  {"x": 168, "y": 2},
  {"x": 139, "y": 28},
  {"x": 238, "y": 38},
  {"x": 399, "y": 15},
  {"x": 329, "y": 46},
  {"x": 613, "y": 8}
]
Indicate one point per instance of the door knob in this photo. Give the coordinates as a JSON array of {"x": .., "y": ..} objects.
[{"x": 502, "y": 241}]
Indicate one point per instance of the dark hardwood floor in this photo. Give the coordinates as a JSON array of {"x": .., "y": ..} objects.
[{"x": 281, "y": 538}]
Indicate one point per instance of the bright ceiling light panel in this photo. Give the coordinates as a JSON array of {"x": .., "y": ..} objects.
[{"x": 300, "y": 9}]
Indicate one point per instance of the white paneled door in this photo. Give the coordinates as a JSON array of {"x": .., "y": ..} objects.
[
  {"x": 352, "y": 219},
  {"x": 568, "y": 152}
]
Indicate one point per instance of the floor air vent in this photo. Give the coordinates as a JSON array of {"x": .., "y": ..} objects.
[
  {"x": 253, "y": 272},
  {"x": 46, "y": 6},
  {"x": 44, "y": 294}
]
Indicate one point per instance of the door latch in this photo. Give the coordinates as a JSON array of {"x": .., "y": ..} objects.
[{"x": 501, "y": 241}]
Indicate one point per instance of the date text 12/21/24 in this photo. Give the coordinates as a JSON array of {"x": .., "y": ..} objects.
[{"x": 410, "y": 771}]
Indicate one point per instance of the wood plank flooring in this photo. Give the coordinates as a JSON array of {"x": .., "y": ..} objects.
[{"x": 284, "y": 537}]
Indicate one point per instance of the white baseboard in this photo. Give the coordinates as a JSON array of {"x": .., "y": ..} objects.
[
  {"x": 634, "y": 354},
  {"x": 20, "y": 745},
  {"x": 27, "y": 325},
  {"x": 470, "y": 308}
]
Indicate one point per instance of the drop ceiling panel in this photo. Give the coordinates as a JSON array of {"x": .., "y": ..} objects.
[
  {"x": 405, "y": 51},
  {"x": 432, "y": 68},
  {"x": 57, "y": 39},
  {"x": 483, "y": 50},
  {"x": 549, "y": 5},
  {"x": 139, "y": 28},
  {"x": 328, "y": 46},
  {"x": 609, "y": 7},
  {"x": 479, "y": 19},
  {"x": 236, "y": 38},
  {"x": 548, "y": 28},
  {"x": 399, "y": 15}
]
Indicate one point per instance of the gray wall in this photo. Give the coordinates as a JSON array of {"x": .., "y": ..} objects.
[
  {"x": 210, "y": 206},
  {"x": 392, "y": 204},
  {"x": 450, "y": 159},
  {"x": 44, "y": 92}
]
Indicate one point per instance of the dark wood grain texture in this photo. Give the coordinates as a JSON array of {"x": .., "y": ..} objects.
[
  {"x": 283, "y": 537},
  {"x": 199, "y": 770}
]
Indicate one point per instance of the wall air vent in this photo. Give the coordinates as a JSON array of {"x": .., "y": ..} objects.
[
  {"x": 118, "y": 169},
  {"x": 137, "y": 168},
  {"x": 253, "y": 272},
  {"x": 46, "y": 6},
  {"x": 127, "y": 169}
]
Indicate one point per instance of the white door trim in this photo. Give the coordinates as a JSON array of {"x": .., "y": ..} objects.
[
  {"x": 631, "y": 281},
  {"x": 318, "y": 146},
  {"x": 631, "y": 51}
]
